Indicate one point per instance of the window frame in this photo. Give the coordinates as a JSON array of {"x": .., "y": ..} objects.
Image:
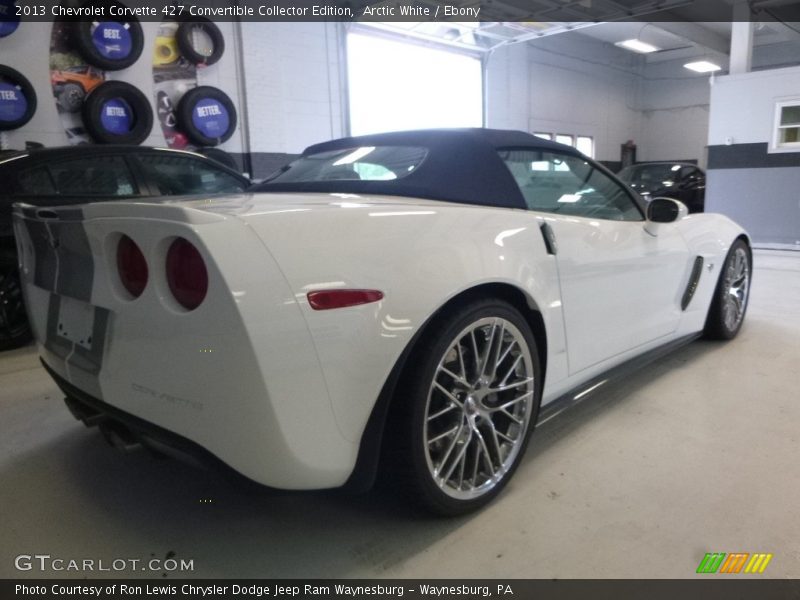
[
  {"x": 571, "y": 137},
  {"x": 550, "y": 136},
  {"x": 635, "y": 199},
  {"x": 776, "y": 145},
  {"x": 591, "y": 144}
]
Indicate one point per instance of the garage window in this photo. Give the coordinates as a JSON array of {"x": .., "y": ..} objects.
[
  {"x": 584, "y": 143},
  {"x": 787, "y": 126},
  {"x": 396, "y": 86}
]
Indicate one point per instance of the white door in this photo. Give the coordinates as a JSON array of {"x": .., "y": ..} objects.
[{"x": 620, "y": 285}]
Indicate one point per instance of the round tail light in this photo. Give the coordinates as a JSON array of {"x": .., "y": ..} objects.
[
  {"x": 132, "y": 266},
  {"x": 186, "y": 274}
]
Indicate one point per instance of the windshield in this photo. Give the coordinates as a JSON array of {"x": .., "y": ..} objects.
[{"x": 362, "y": 163}]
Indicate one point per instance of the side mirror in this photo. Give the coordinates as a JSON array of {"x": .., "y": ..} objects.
[{"x": 665, "y": 210}]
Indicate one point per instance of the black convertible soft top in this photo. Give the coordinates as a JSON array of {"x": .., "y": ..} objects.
[{"x": 462, "y": 166}]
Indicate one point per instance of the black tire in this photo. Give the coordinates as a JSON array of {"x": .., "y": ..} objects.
[
  {"x": 125, "y": 37},
  {"x": 133, "y": 119},
  {"x": 731, "y": 294},
  {"x": 17, "y": 111},
  {"x": 414, "y": 433},
  {"x": 15, "y": 330},
  {"x": 185, "y": 39},
  {"x": 201, "y": 130},
  {"x": 71, "y": 97}
]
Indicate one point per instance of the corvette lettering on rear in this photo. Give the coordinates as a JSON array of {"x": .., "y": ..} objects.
[{"x": 142, "y": 389}]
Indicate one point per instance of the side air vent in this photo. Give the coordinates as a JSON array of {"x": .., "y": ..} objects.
[
  {"x": 549, "y": 239},
  {"x": 694, "y": 278}
]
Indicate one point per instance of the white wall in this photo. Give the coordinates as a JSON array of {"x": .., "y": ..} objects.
[
  {"x": 570, "y": 83},
  {"x": 743, "y": 106},
  {"x": 581, "y": 86},
  {"x": 675, "y": 108},
  {"x": 506, "y": 101},
  {"x": 292, "y": 79},
  {"x": 756, "y": 187}
]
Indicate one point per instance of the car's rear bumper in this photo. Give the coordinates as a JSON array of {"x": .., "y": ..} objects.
[
  {"x": 127, "y": 432},
  {"x": 238, "y": 375}
]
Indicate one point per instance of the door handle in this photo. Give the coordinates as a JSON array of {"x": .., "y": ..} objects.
[{"x": 549, "y": 239}]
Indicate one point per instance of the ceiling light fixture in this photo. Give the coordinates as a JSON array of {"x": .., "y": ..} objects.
[
  {"x": 637, "y": 45},
  {"x": 702, "y": 66}
]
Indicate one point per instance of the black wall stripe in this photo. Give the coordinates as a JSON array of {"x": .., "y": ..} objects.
[{"x": 750, "y": 156}]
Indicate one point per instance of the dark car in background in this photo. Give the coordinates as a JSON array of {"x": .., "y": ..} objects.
[
  {"x": 678, "y": 180},
  {"x": 77, "y": 175}
]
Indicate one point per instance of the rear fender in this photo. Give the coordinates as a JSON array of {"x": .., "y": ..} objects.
[{"x": 708, "y": 236}]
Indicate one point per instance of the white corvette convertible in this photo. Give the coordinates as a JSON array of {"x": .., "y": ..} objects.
[{"x": 409, "y": 303}]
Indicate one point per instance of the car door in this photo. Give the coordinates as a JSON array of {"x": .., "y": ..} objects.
[{"x": 620, "y": 284}]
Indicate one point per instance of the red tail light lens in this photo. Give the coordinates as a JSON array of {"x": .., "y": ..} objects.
[
  {"x": 132, "y": 266},
  {"x": 327, "y": 299},
  {"x": 186, "y": 274}
]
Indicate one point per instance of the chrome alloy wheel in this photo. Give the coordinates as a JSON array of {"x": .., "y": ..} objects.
[
  {"x": 478, "y": 408},
  {"x": 736, "y": 286}
]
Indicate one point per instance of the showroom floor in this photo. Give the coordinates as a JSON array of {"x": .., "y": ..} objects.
[{"x": 696, "y": 454}]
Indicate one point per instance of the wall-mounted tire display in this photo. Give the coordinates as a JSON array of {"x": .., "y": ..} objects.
[
  {"x": 17, "y": 99},
  {"x": 110, "y": 45},
  {"x": 117, "y": 113},
  {"x": 9, "y": 21},
  {"x": 207, "y": 116},
  {"x": 200, "y": 42}
]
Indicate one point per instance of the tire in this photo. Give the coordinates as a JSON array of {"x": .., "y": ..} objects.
[
  {"x": 729, "y": 304},
  {"x": 453, "y": 445},
  {"x": 115, "y": 112},
  {"x": 185, "y": 38},
  {"x": 212, "y": 127},
  {"x": 20, "y": 105},
  {"x": 15, "y": 330},
  {"x": 71, "y": 96},
  {"x": 111, "y": 45}
]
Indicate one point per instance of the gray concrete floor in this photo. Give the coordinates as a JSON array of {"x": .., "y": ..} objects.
[{"x": 698, "y": 453}]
